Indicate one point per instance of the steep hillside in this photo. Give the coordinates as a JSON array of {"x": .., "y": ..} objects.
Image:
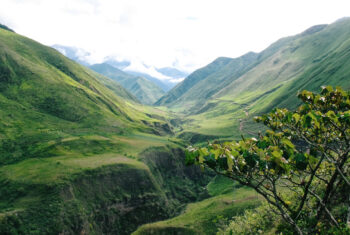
[
  {"x": 204, "y": 217},
  {"x": 166, "y": 86},
  {"x": 78, "y": 155},
  {"x": 83, "y": 57},
  {"x": 206, "y": 82},
  {"x": 144, "y": 90},
  {"x": 237, "y": 91},
  {"x": 45, "y": 96},
  {"x": 174, "y": 94}
]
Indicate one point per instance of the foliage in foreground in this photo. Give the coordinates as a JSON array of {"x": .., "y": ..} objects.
[
  {"x": 300, "y": 166},
  {"x": 254, "y": 221}
]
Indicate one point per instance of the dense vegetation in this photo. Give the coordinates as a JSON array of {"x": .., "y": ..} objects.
[{"x": 300, "y": 166}]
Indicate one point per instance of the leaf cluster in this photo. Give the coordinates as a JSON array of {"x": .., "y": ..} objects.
[{"x": 299, "y": 164}]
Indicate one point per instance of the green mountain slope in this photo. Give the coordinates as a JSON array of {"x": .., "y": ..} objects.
[
  {"x": 44, "y": 94},
  {"x": 230, "y": 98},
  {"x": 203, "y": 218},
  {"x": 78, "y": 155},
  {"x": 164, "y": 85},
  {"x": 146, "y": 91},
  {"x": 319, "y": 56},
  {"x": 174, "y": 94}
]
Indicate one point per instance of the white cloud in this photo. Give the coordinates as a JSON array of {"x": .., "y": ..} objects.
[
  {"x": 176, "y": 80},
  {"x": 138, "y": 66},
  {"x": 187, "y": 33}
]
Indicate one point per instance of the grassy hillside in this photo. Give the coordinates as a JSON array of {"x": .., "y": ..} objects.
[
  {"x": 80, "y": 155},
  {"x": 73, "y": 146},
  {"x": 94, "y": 194},
  {"x": 46, "y": 98},
  {"x": 144, "y": 90},
  {"x": 197, "y": 76},
  {"x": 205, "y": 217},
  {"x": 234, "y": 93},
  {"x": 164, "y": 85}
]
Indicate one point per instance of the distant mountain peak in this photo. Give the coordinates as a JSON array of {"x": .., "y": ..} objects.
[
  {"x": 119, "y": 64},
  {"x": 256, "y": 75},
  {"x": 166, "y": 77},
  {"x": 147, "y": 92}
]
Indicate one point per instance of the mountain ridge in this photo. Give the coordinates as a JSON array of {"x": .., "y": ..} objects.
[
  {"x": 222, "y": 101},
  {"x": 186, "y": 91},
  {"x": 85, "y": 58},
  {"x": 145, "y": 91}
]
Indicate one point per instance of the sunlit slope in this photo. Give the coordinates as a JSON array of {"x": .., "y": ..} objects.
[
  {"x": 227, "y": 200},
  {"x": 146, "y": 91},
  {"x": 192, "y": 93},
  {"x": 175, "y": 94},
  {"x": 70, "y": 146},
  {"x": 325, "y": 49},
  {"x": 319, "y": 56},
  {"x": 45, "y": 99}
]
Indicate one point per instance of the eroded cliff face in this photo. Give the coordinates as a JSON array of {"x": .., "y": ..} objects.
[
  {"x": 113, "y": 199},
  {"x": 180, "y": 183}
]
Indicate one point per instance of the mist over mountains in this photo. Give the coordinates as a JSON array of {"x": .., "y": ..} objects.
[
  {"x": 166, "y": 77},
  {"x": 145, "y": 90}
]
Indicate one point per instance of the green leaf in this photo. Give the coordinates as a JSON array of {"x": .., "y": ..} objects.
[
  {"x": 203, "y": 151},
  {"x": 296, "y": 117},
  {"x": 201, "y": 159},
  {"x": 234, "y": 153},
  {"x": 216, "y": 152},
  {"x": 276, "y": 154},
  {"x": 288, "y": 143}
]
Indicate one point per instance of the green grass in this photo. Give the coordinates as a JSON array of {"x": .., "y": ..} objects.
[
  {"x": 221, "y": 185},
  {"x": 65, "y": 126},
  {"x": 46, "y": 99},
  {"x": 66, "y": 130},
  {"x": 204, "y": 217},
  {"x": 59, "y": 169},
  {"x": 76, "y": 154},
  {"x": 215, "y": 99}
]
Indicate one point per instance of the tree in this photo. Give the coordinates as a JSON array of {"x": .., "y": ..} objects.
[{"x": 300, "y": 165}]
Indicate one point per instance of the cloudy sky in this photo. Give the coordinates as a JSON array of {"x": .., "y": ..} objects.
[{"x": 186, "y": 34}]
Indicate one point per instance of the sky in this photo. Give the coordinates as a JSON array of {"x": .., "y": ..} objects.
[{"x": 185, "y": 34}]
